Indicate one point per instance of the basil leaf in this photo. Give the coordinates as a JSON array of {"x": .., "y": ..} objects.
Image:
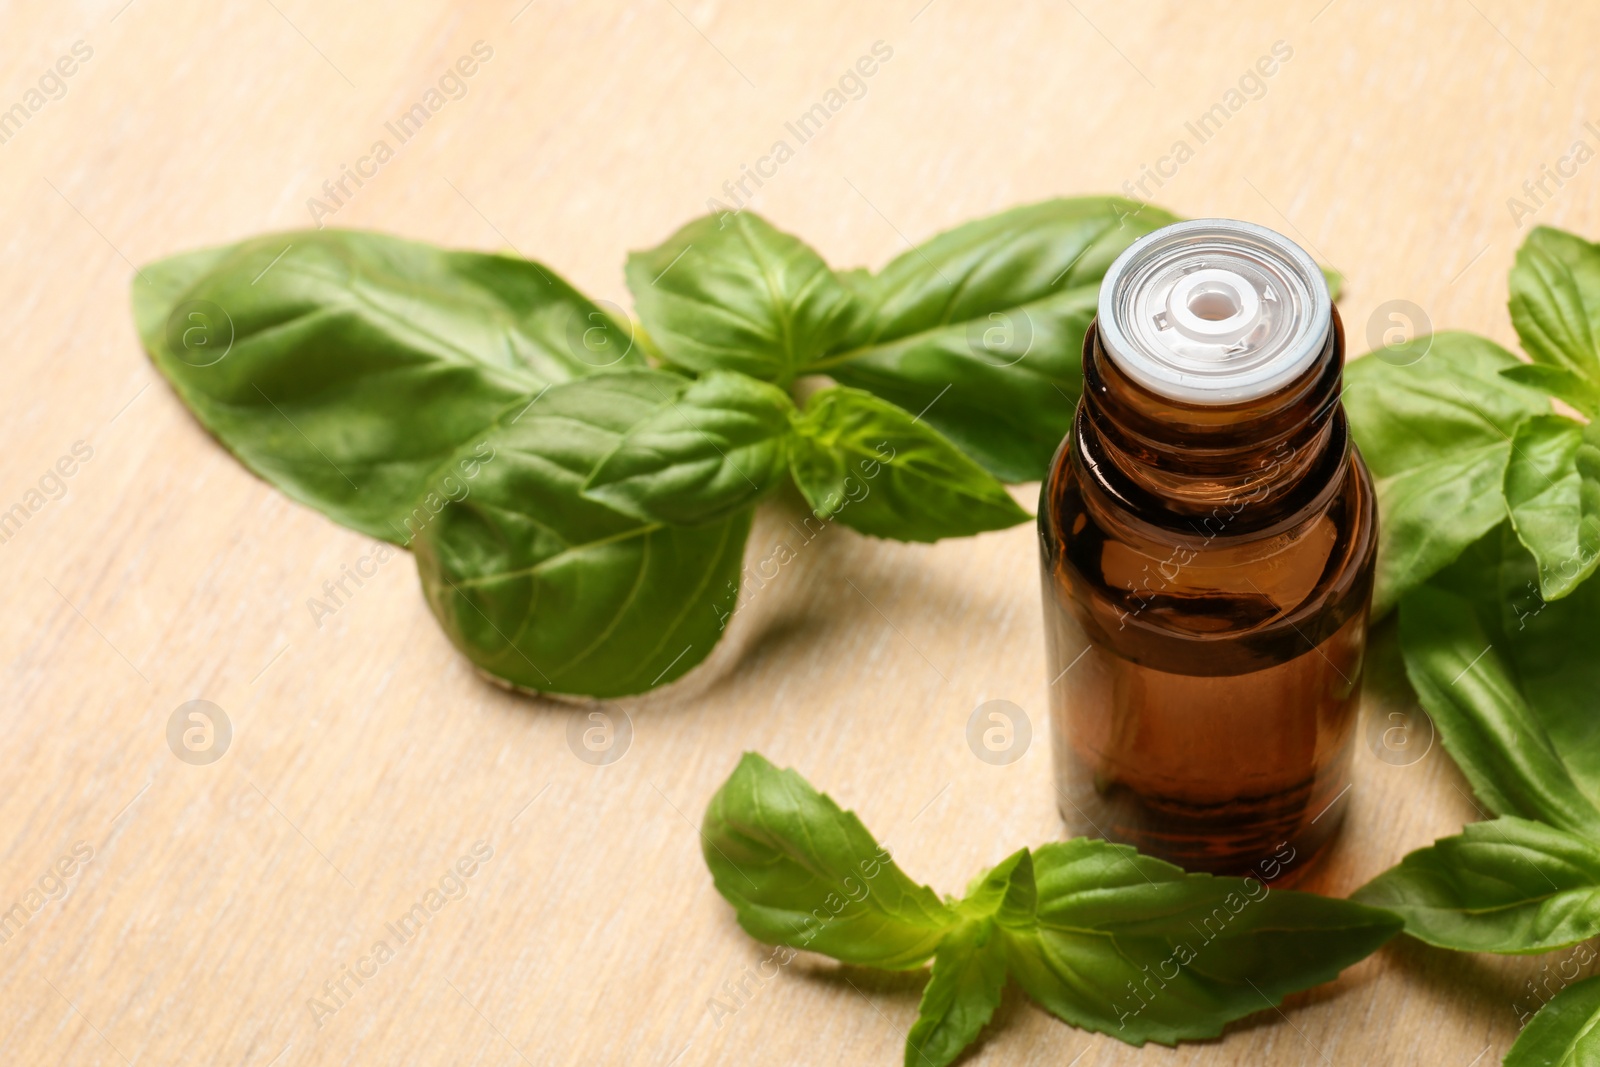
[
  {"x": 858, "y": 280},
  {"x": 730, "y": 292},
  {"x": 557, "y": 593},
  {"x": 1509, "y": 886},
  {"x": 1555, "y": 301},
  {"x": 981, "y": 328},
  {"x": 801, "y": 872},
  {"x": 1433, "y": 419},
  {"x": 969, "y": 974},
  {"x": 1007, "y": 893},
  {"x": 1565, "y": 1032},
  {"x": 1510, "y": 679},
  {"x": 710, "y": 450},
  {"x": 1552, "y": 487},
  {"x": 1136, "y": 948},
  {"x": 347, "y": 368},
  {"x": 969, "y": 970},
  {"x": 1561, "y": 384},
  {"x": 879, "y": 471}
]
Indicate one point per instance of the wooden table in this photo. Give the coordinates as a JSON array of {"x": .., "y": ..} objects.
[{"x": 367, "y": 758}]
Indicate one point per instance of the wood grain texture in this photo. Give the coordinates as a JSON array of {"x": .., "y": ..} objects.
[{"x": 367, "y": 757}]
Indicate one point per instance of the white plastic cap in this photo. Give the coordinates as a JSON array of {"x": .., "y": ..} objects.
[{"x": 1214, "y": 311}]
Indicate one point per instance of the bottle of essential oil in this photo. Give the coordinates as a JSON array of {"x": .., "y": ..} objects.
[{"x": 1207, "y": 532}]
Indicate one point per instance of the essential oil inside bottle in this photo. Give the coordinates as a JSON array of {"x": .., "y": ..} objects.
[{"x": 1207, "y": 538}]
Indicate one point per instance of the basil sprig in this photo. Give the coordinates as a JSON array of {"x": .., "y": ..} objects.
[
  {"x": 1460, "y": 434},
  {"x": 1489, "y": 507},
  {"x": 578, "y": 507},
  {"x": 1102, "y": 937}
]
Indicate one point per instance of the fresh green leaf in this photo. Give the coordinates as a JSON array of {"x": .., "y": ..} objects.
[
  {"x": 347, "y": 369},
  {"x": 969, "y": 974},
  {"x": 801, "y": 872},
  {"x": 1565, "y": 1032},
  {"x": 981, "y": 328},
  {"x": 1564, "y": 385},
  {"x": 858, "y": 280},
  {"x": 1555, "y": 301},
  {"x": 1434, "y": 419},
  {"x": 1101, "y": 936},
  {"x": 1553, "y": 490},
  {"x": 969, "y": 970},
  {"x": 710, "y": 450},
  {"x": 878, "y": 470},
  {"x": 1003, "y": 261},
  {"x": 1007, "y": 893},
  {"x": 1550, "y": 645},
  {"x": 730, "y": 292},
  {"x": 1508, "y": 885},
  {"x": 1138, "y": 949},
  {"x": 558, "y": 593},
  {"x": 1510, "y": 681}
]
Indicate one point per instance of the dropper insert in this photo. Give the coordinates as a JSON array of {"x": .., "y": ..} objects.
[{"x": 1214, "y": 311}]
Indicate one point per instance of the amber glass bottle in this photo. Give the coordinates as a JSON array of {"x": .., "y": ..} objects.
[{"x": 1207, "y": 536}]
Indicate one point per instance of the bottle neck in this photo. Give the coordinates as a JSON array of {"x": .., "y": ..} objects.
[{"x": 1216, "y": 469}]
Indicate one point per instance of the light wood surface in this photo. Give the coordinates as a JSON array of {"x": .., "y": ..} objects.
[{"x": 367, "y": 757}]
